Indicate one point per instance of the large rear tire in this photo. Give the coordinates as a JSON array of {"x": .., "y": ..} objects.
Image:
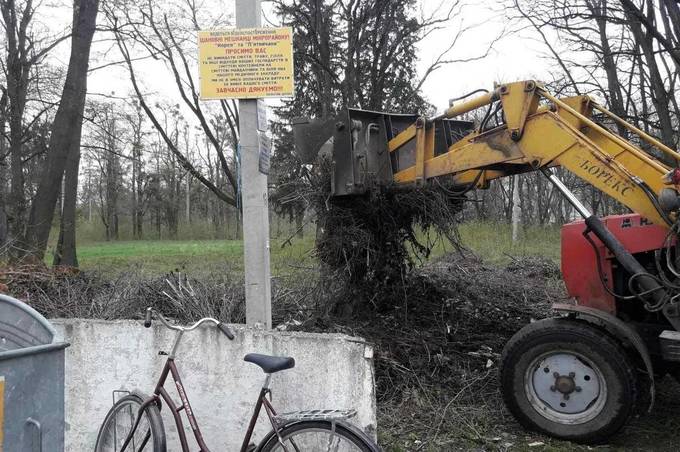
[{"x": 569, "y": 380}]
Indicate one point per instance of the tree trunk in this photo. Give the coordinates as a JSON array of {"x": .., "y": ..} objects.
[
  {"x": 187, "y": 204},
  {"x": 516, "y": 209},
  {"x": 135, "y": 200},
  {"x": 609, "y": 64},
  {"x": 3, "y": 176},
  {"x": 3, "y": 223},
  {"x": 139, "y": 197},
  {"x": 62, "y": 137},
  {"x": 299, "y": 229},
  {"x": 136, "y": 123},
  {"x": 112, "y": 186},
  {"x": 158, "y": 224},
  {"x": 116, "y": 230},
  {"x": 65, "y": 254},
  {"x": 3, "y": 214},
  {"x": 17, "y": 204},
  {"x": 659, "y": 95},
  {"x": 17, "y": 72},
  {"x": 673, "y": 10}
]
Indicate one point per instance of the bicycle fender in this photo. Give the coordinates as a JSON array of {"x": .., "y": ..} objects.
[{"x": 357, "y": 431}]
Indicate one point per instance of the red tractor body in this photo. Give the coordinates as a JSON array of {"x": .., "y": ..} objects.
[{"x": 579, "y": 261}]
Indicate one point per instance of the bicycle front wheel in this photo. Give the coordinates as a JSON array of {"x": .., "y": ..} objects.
[
  {"x": 315, "y": 436},
  {"x": 149, "y": 436}
]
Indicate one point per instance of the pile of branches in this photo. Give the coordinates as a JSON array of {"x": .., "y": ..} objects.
[
  {"x": 69, "y": 293},
  {"x": 367, "y": 244}
]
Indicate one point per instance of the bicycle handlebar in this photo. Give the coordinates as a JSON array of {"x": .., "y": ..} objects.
[
  {"x": 225, "y": 329},
  {"x": 220, "y": 326}
]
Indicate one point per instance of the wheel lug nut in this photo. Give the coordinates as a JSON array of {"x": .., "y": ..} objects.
[
  {"x": 556, "y": 374},
  {"x": 566, "y": 396},
  {"x": 572, "y": 374},
  {"x": 553, "y": 388},
  {"x": 577, "y": 389}
]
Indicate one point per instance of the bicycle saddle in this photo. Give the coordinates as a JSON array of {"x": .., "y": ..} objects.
[{"x": 270, "y": 364}]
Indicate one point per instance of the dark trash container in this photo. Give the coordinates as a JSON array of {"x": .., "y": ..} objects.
[{"x": 31, "y": 381}]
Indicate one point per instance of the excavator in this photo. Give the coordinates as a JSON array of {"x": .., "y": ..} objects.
[{"x": 583, "y": 373}]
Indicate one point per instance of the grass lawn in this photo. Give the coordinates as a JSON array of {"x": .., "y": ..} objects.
[
  {"x": 493, "y": 241},
  {"x": 490, "y": 241},
  {"x": 157, "y": 257}
]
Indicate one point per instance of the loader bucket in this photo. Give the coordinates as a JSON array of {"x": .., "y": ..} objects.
[
  {"x": 356, "y": 142},
  {"x": 310, "y": 135}
]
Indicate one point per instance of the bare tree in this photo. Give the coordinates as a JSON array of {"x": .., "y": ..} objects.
[
  {"x": 107, "y": 156},
  {"x": 135, "y": 121},
  {"x": 149, "y": 29},
  {"x": 621, "y": 52},
  {"x": 643, "y": 31},
  {"x": 64, "y": 145},
  {"x": 3, "y": 167},
  {"x": 26, "y": 45}
]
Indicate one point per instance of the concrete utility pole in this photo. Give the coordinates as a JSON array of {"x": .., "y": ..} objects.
[{"x": 254, "y": 196}]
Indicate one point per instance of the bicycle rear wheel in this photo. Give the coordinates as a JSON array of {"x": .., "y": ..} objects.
[
  {"x": 315, "y": 436},
  {"x": 149, "y": 436}
]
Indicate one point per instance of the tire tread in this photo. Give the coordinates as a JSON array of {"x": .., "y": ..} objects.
[{"x": 612, "y": 351}]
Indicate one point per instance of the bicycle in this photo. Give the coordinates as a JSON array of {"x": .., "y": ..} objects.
[{"x": 134, "y": 422}]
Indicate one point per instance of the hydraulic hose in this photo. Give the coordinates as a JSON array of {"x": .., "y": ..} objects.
[{"x": 649, "y": 284}]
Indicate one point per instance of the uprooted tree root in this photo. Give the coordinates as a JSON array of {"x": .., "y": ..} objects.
[
  {"x": 373, "y": 236},
  {"x": 371, "y": 242}
]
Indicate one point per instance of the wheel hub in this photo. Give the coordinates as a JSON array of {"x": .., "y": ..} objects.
[{"x": 564, "y": 386}]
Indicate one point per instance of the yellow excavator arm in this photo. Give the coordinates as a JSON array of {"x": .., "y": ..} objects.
[{"x": 541, "y": 131}]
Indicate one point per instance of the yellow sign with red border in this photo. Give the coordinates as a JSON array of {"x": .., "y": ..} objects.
[{"x": 246, "y": 63}]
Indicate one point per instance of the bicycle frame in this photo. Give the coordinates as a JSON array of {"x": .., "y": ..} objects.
[{"x": 161, "y": 393}]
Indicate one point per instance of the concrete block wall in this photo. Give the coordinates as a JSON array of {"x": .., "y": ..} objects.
[{"x": 332, "y": 371}]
